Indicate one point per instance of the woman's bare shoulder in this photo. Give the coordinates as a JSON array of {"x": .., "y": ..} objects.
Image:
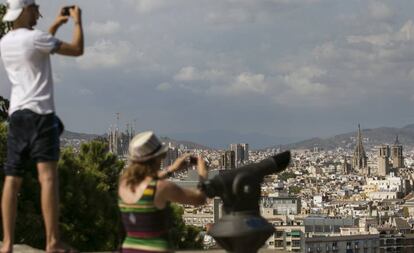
[{"x": 131, "y": 194}]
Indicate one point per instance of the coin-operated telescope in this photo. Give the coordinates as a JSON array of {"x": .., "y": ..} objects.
[{"x": 242, "y": 229}]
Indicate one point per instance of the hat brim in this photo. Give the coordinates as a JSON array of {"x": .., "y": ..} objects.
[
  {"x": 12, "y": 15},
  {"x": 161, "y": 151}
]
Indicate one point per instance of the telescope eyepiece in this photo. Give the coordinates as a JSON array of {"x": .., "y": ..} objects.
[{"x": 282, "y": 160}]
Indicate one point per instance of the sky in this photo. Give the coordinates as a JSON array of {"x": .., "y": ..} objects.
[{"x": 286, "y": 68}]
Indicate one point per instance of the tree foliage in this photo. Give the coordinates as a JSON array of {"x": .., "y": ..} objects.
[
  {"x": 4, "y": 27},
  {"x": 88, "y": 200},
  {"x": 406, "y": 212},
  {"x": 183, "y": 236},
  {"x": 286, "y": 175},
  {"x": 3, "y": 144},
  {"x": 89, "y": 211},
  {"x": 4, "y": 107},
  {"x": 294, "y": 190}
]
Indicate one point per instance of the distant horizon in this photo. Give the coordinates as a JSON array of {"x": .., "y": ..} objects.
[{"x": 208, "y": 139}]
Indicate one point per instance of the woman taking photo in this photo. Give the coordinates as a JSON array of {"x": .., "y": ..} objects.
[{"x": 145, "y": 194}]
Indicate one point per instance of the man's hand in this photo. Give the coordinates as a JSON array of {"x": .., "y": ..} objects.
[
  {"x": 76, "y": 47},
  {"x": 76, "y": 14},
  {"x": 60, "y": 20}
]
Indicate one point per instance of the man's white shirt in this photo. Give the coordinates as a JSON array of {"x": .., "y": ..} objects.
[{"x": 26, "y": 58}]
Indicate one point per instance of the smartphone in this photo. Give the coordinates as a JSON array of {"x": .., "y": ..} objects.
[
  {"x": 193, "y": 160},
  {"x": 65, "y": 10}
]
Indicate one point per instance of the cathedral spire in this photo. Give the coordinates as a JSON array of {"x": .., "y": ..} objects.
[
  {"x": 396, "y": 140},
  {"x": 359, "y": 161}
]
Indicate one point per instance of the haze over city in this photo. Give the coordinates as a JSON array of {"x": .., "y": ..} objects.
[{"x": 297, "y": 68}]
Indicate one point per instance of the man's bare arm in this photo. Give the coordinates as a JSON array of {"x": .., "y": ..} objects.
[{"x": 76, "y": 47}]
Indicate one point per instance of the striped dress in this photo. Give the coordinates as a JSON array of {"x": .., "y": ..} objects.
[{"x": 146, "y": 226}]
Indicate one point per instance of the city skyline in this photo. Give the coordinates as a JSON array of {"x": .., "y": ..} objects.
[{"x": 300, "y": 68}]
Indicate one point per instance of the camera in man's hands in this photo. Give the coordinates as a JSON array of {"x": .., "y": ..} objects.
[{"x": 66, "y": 10}]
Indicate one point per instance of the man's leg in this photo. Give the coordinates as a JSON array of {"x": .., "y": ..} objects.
[
  {"x": 48, "y": 178},
  {"x": 11, "y": 188},
  {"x": 49, "y": 183}
]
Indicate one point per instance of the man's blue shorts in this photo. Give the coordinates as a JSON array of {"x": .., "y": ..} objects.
[{"x": 31, "y": 137}]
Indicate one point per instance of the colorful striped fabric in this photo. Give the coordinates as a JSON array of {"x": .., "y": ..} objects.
[{"x": 146, "y": 226}]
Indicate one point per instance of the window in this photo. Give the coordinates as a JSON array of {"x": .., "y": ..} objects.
[{"x": 296, "y": 243}]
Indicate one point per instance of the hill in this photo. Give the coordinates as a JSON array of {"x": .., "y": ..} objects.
[
  {"x": 372, "y": 137},
  {"x": 188, "y": 144}
]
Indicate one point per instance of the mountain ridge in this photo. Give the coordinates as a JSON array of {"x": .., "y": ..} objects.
[{"x": 372, "y": 137}]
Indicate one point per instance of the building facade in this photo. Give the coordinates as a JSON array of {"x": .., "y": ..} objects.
[
  {"x": 228, "y": 160},
  {"x": 241, "y": 153}
]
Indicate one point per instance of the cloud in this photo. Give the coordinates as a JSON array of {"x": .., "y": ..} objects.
[
  {"x": 406, "y": 33},
  {"x": 380, "y": 11},
  {"x": 85, "y": 92},
  {"x": 187, "y": 74},
  {"x": 363, "y": 67},
  {"x": 233, "y": 16},
  {"x": 107, "y": 28},
  {"x": 191, "y": 73},
  {"x": 106, "y": 54},
  {"x": 303, "y": 83},
  {"x": 147, "y": 6},
  {"x": 286, "y": 2},
  {"x": 248, "y": 82},
  {"x": 218, "y": 82},
  {"x": 234, "y": 12},
  {"x": 164, "y": 86},
  {"x": 377, "y": 40},
  {"x": 388, "y": 39}
]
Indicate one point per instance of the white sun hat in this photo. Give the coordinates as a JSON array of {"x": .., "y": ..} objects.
[
  {"x": 145, "y": 146},
  {"x": 15, "y": 8}
]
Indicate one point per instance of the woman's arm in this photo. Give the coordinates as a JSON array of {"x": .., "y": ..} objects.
[
  {"x": 169, "y": 191},
  {"x": 178, "y": 164}
]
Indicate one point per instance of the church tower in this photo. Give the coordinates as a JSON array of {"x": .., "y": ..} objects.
[
  {"x": 359, "y": 160},
  {"x": 397, "y": 154},
  {"x": 383, "y": 160},
  {"x": 346, "y": 168}
]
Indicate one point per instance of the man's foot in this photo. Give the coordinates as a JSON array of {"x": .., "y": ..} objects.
[
  {"x": 61, "y": 248},
  {"x": 5, "y": 249}
]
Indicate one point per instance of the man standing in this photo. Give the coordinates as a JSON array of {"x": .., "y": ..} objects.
[{"x": 34, "y": 128}]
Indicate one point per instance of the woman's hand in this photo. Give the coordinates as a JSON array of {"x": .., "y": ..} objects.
[
  {"x": 202, "y": 168},
  {"x": 180, "y": 163}
]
